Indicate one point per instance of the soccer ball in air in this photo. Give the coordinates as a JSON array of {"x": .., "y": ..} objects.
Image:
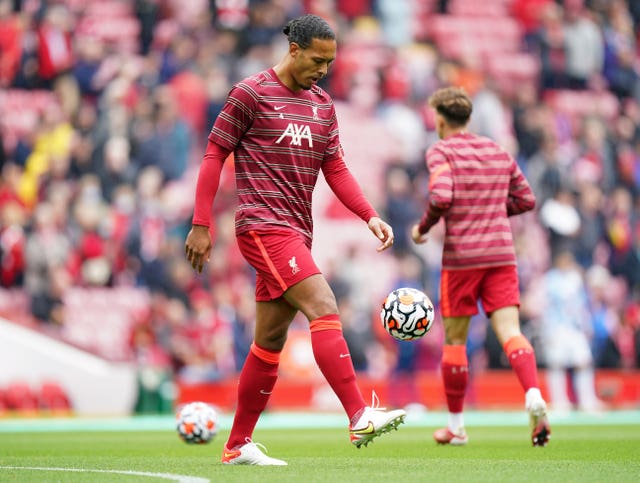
[
  {"x": 197, "y": 423},
  {"x": 407, "y": 314}
]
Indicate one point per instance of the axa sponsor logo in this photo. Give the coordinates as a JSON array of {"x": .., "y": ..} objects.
[{"x": 296, "y": 133}]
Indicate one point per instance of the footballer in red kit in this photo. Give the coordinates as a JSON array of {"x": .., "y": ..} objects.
[
  {"x": 475, "y": 185},
  {"x": 283, "y": 131}
]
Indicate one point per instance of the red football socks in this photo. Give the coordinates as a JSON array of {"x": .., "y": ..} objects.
[
  {"x": 523, "y": 361},
  {"x": 334, "y": 360},
  {"x": 455, "y": 375},
  {"x": 257, "y": 379}
]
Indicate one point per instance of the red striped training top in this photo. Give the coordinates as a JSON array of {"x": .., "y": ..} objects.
[
  {"x": 280, "y": 139},
  {"x": 475, "y": 185}
]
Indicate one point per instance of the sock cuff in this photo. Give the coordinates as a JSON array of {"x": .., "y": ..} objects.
[
  {"x": 455, "y": 355},
  {"x": 266, "y": 355},
  {"x": 326, "y": 322},
  {"x": 517, "y": 342}
]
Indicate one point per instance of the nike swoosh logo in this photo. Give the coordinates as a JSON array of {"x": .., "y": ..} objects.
[
  {"x": 368, "y": 430},
  {"x": 277, "y": 108},
  {"x": 262, "y": 391},
  {"x": 342, "y": 356},
  {"x": 230, "y": 455}
]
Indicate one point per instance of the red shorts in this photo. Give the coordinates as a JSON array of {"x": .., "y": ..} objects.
[
  {"x": 281, "y": 259},
  {"x": 495, "y": 287}
]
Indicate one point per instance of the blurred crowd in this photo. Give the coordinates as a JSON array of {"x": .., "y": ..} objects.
[{"x": 105, "y": 106}]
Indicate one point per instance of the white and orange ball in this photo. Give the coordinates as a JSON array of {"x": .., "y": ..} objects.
[
  {"x": 197, "y": 423},
  {"x": 407, "y": 313}
]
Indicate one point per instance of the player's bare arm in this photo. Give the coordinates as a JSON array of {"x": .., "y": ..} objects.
[
  {"x": 382, "y": 231},
  {"x": 197, "y": 246}
]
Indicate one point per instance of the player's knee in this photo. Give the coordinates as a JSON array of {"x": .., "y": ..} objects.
[
  {"x": 319, "y": 306},
  {"x": 455, "y": 340},
  {"x": 456, "y": 335},
  {"x": 323, "y": 308},
  {"x": 272, "y": 339}
]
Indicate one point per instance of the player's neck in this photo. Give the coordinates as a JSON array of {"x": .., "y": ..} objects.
[
  {"x": 282, "y": 71},
  {"x": 449, "y": 132}
]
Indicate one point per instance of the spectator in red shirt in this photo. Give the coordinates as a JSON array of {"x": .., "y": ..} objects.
[
  {"x": 10, "y": 43},
  {"x": 55, "y": 51}
]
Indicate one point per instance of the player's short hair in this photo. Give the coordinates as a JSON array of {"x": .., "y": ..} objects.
[
  {"x": 304, "y": 29},
  {"x": 453, "y": 103}
]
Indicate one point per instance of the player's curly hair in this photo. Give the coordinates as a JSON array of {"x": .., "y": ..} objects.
[
  {"x": 453, "y": 103},
  {"x": 304, "y": 29}
]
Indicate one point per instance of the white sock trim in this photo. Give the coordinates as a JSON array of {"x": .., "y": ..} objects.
[
  {"x": 533, "y": 393},
  {"x": 456, "y": 422}
]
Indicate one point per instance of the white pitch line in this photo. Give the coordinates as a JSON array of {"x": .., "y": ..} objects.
[{"x": 166, "y": 476}]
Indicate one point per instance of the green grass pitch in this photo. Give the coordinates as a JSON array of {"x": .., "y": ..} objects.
[{"x": 499, "y": 453}]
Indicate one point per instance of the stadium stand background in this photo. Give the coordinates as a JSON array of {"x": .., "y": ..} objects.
[{"x": 104, "y": 111}]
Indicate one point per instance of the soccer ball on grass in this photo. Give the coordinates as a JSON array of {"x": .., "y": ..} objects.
[
  {"x": 197, "y": 423},
  {"x": 407, "y": 314}
]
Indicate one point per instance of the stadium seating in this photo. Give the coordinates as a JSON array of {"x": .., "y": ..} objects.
[
  {"x": 100, "y": 319},
  {"x": 20, "y": 111},
  {"x": 14, "y": 305},
  {"x": 112, "y": 21},
  {"x": 19, "y": 396},
  {"x": 495, "y": 8},
  {"x": 53, "y": 398},
  {"x": 26, "y": 398},
  {"x": 510, "y": 69},
  {"x": 423, "y": 10},
  {"x": 3, "y": 403},
  {"x": 458, "y": 37},
  {"x": 583, "y": 103}
]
